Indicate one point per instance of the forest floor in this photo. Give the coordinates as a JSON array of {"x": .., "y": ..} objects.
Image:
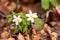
[{"x": 50, "y": 21}]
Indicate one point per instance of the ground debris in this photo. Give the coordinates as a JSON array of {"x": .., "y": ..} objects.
[
  {"x": 4, "y": 34},
  {"x": 20, "y": 37},
  {"x": 11, "y": 38}
]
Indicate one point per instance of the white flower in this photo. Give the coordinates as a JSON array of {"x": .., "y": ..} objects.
[
  {"x": 17, "y": 19},
  {"x": 31, "y": 16}
]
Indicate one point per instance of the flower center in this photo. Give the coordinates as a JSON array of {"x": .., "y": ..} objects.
[
  {"x": 31, "y": 16},
  {"x": 17, "y": 19}
]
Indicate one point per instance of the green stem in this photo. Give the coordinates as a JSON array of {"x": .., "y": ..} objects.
[{"x": 15, "y": 30}]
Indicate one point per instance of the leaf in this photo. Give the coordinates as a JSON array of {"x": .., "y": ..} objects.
[
  {"x": 25, "y": 27},
  {"x": 20, "y": 27},
  {"x": 20, "y": 37},
  {"x": 25, "y": 30},
  {"x": 54, "y": 2},
  {"x": 15, "y": 30},
  {"x": 45, "y": 4},
  {"x": 21, "y": 14},
  {"x": 38, "y": 23},
  {"x": 24, "y": 21},
  {"x": 9, "y": 18},
  {"x": 28, "y": 22}
]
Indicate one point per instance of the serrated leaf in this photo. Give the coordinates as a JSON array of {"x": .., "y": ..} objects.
[
  {"x": 54, "y": 2},
  {"x": 45, "y": 4},
  {"x": 38, "y": 23}
]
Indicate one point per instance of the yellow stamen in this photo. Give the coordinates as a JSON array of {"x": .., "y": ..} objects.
[
  {"x": 17, "y": 19},
  {"x": 31, "y": 16}
]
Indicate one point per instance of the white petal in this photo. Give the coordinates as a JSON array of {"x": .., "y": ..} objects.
[
  {"x": 28, "y": 19},
  {"x": 27, "y": 15},
  {"x": 16, "y": 23},
  {"x": 14, "y": 16},
  {"x": 19, "y": 16},
  {"x": 20, "y": 20},
  {"x": 30, "y": 12},
  {"x": 13, "y": 20},
  {"x": 35, "y": 15},
  {"x": 32, "y": 20}
]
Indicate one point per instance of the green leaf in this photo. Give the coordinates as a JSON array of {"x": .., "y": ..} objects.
[
  {"x": 45, "y": 4},
  {"x": 9, "y": 18},
  {"x": 38, "y": 23},
  {"x": 24, "y": 21},
  {"x": 21, "y": 14},
  {"x": 28, "y": 22},
  {"x": 25, "y": 30},
  {"x": 54, "y": 2},
  {"x": 15, "y": 30},
  {"x": 20, "y": 27}
]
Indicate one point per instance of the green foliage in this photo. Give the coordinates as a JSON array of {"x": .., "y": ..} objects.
[
  {"x": 23, "y": 26},
  {"x": 38, "y": 23},
  {"x": 9, "y": 18},
  {"x": 45, "y": 3},
  {"x": 54, "y": 2},
  {"x": 15, "y": 30}
]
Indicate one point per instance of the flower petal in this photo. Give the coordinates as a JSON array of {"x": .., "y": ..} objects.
[
  {"x": 16, "y": 23},
  {"x": 32, "y": 20},
  {"x": 35, "y": 15},
  {"x": 27, "y": 15},
  {"x": 13, "y": 20},
  {"x": 14, "y": 16},
  {"x": 30, "y": 12},
  {"x": 20, "y": 20},
  {"x": 28, "y": 19},
  {"x": 19, "y": 16}
]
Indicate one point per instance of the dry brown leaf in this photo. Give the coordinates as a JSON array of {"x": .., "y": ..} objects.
[
  {"x": 47, "y": 28},
  {"x": 36, "y": 37},
  {"x": 20, "y": 37},
  {"x": 3, "y": 39},
  {"x": 54, "y": 36},
  {"x": 27, "y": 37},
  {"x": 58, "y": 8},
  {"x": 53, "y": 23},
  {"x": 12, "y": 6},
  {"x": 11, "y": 38},
  {"x": 42, "y": 31},
  {"x": 4, "y": 34}
]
